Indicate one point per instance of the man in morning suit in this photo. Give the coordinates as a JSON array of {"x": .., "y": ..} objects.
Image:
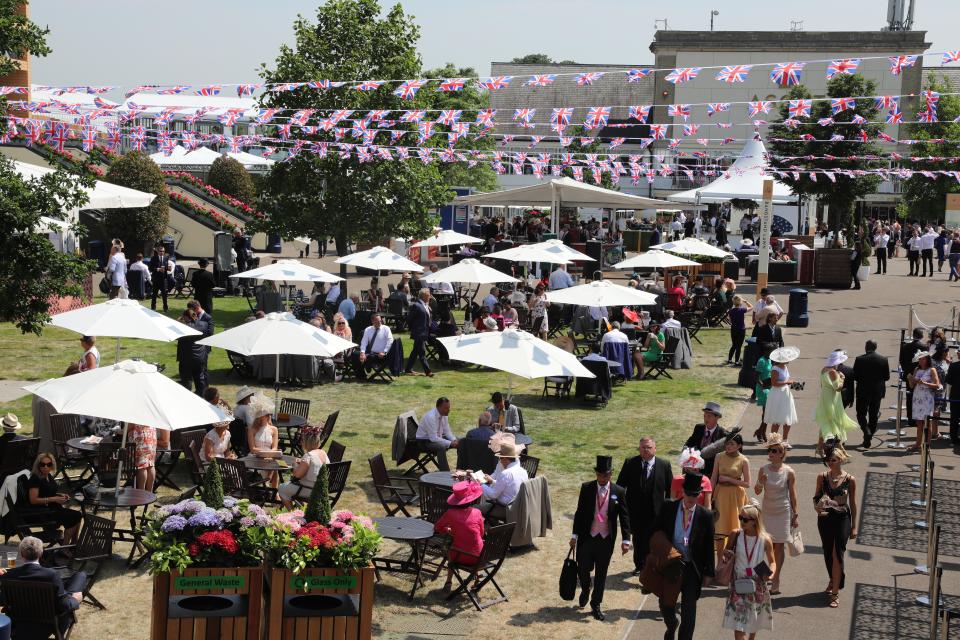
[
  {"x": 872, "y": 371},
  {"x": 953, "y": 379},
  {"x": 599, "y": 507},
  {"x": 418, "y": 319},
  {"x": 68, "y": 597},
  {"x": 907, "y": 365},
  {"x": 690, "y": 528},
  {"x": 707, "y": 432},
  {"x": 646, "y": 479}
]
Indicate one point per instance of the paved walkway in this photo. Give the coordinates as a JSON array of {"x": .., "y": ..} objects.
[{"x": 11, "y": 390}]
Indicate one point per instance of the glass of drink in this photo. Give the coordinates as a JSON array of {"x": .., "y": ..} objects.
[{"x": 11, "y": 559}]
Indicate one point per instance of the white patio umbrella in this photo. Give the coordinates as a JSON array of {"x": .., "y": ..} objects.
[
  {"x": 560, "y": 249},
  {"x": 515, "y": 352},
  {"x": 445, "y": 238},
  {"x": 103, "y": 195},
  {"x": 288, "y": 270},
  {"x": 692, "y": 247},
  {"x": 655, "y": 259},
  {"x": 276, "y": 334},
  {"x": 601, "y": 293},
  {"x": 379, "y": 259},
  {"x": 471, "y": 271},
  {"x": 122, "y": 319},
  {"x": 529, "y": 253}
]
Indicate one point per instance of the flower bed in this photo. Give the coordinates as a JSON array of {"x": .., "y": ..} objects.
[
  {"x": 205, "y": 212},
  {"x": 215, "y": 193}
]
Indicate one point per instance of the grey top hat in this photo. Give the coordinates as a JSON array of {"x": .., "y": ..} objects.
[{"x": 713, "y": 407}]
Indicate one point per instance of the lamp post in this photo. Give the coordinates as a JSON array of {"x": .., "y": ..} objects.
[{"x": 712, "y": 15}]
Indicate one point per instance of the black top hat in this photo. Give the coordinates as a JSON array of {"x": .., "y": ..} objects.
[
  {"x": 692, "y": 484},
  {"x": 604, "y": 464}
]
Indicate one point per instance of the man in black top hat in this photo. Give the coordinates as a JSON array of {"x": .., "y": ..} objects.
[
  {"x": 600, "y": 505},
  {"x": 707, "y": 432},
  {"x": 646, "y": 479},
  {"x": 689, "y": 527}
]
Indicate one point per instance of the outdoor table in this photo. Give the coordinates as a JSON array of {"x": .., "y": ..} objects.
[
  {"x": 413, "y": 531},
  {"x": 164, "y": 469},
  {"x": 439, "y": 478},
  {"x": 80, "y": 445},
  {"x": 253, "y": 463},
  {"x": 289, "y": 425},
  {"x": 127, "y": 498}
]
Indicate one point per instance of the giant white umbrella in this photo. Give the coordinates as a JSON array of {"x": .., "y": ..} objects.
[
  {"x": 379, "y": 259},
  {"x": 288, "y": 271},
  {"x": 557, "y": 247},
  {"x": 692, "y": 247},
  {"x": 122, "y": 319},
  {"x": 601, "y": 293},
  {"x": 469, "y": 270},
  {"x": 103, "y": 195},
  {"x": 518, "y": 353},
  {"x": 655, "y": 259},
  {"x": 529, "y": 253},
  {"x": 276, "y": 334},
  {"x": 445, "y": 238}
]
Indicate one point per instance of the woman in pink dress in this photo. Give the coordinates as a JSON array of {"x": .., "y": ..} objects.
[{"x": 464, "y": 523}]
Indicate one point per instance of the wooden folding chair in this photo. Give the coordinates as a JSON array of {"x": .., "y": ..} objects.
[
  {"x": 659, "y": 366},
  {"x": 335, "y": 451},
  {"x": 530, "y": 465},
  {"x": 93, "y": 548},
  {"x": 395, "y": 493},
  {"x": 496, "y": 543},
  {"x": 34, "y": 605}
]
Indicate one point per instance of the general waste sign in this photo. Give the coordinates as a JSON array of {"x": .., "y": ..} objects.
[
  {"x": 307, "y": 583},
  {"x": 209, "y": 582}
]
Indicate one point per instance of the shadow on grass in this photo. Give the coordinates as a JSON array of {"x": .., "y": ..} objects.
[{"x": 569, "y": 613}]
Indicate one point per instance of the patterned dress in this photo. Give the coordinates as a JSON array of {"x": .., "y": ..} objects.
[
  {"x": 754, "y": 611},
  {"x": 923, "y": 396},
  {"x": 145, "y": 439}
]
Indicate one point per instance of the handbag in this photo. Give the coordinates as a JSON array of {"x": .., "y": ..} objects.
[
  {"x": 795, "y": 545},
  {"x": 744, "y": 586},
  {"x": 569, "y": 578},
  {"x": 104, "y": 285},
  {"x": 723, "y": 574}
]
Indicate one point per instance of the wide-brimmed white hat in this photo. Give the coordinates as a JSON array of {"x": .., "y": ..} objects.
[
  {"x": 836, "y": 358},
  {"x": 260, "y": 405},
  {"x": 922, "y": 353},
  {"x": 11, "y": 422},
  {"x": 245, "y": 392},
  {"x": 746, "y": 242},
  {"x": 785, "y": 354}
]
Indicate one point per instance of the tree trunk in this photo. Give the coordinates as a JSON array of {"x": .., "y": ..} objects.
[{"x": 340, "y": 240}]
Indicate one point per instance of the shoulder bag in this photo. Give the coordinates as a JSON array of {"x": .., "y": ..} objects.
[
  {"x": 724, "y": 571},
  {"x": 795, "y": 545}
]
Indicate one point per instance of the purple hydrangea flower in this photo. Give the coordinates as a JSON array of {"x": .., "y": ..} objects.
[
  {"x": 225, "y": 515},
  {"x": 206, "y": 517},
  {"x": 247, "y": 522},
  {"x": 262, "y": 520},
  {"x": 173, "y": 523},
  {"x": 229, "y": 501}
]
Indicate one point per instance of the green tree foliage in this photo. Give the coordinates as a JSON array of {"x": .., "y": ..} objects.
[
  {"x": 927, "y": 199},
  {"x": 19, "y": 39},
  {"x": 842, "y": 194},
  {"x": 230, "y": 177},
  {"x": 318, "y": 506},
  {"x": 347, "y": 199},
  {"x": 32, "y": 270},
  {"x": 579, "y": 148},
  {"x": 533, "y": 58},
  {"x": 213, "y": 485},
  {"x": 138, "y": 227}
]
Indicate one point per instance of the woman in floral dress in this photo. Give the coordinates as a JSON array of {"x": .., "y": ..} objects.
[
  {"x": 750, "y": 546},
  {"x": 145, "y": 440}
]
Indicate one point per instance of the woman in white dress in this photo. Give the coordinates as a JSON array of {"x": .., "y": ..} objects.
[
  {"x": 747, "y": 613},
  {"x": 780, "y": 409},
  {"x": 305, "y": 469},
  {"x": 216, "y": 444},
  {"x": 263, "y": 436},
  {"x": 925, "y": 381}
]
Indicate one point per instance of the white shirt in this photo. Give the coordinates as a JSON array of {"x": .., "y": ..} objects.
[
  {"x": 334, "y": 294},
  {"x": 560, "y": 279},
  {"x": 676, "y": 225},
  {"x": 506, "y": 483},
  {"x": 914, "y": 243},
  {"x": 490, "y": 300},
  {"x": 445, "y": 287},
  {"x": 595, "y": 357},
  {"x": 881, "y": 240},
  {"x": 117, "y": 268},
  {"x": 381, "y": 343},
  {"x": 435, "y": 428},
  {"x": 614, "y": 335},
  {"x": 926, "y": 240},
  {"x": 139, "y": 266},
  {"x": 671, "y": 323}
]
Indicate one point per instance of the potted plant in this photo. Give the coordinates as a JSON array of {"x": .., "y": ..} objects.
[{"x": 866, "y": 250}]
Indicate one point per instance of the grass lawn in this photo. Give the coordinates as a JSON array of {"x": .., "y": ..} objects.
[{"x": 567, "y": 435}]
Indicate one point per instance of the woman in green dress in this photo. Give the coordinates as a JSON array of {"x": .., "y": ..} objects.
[
  {"x": 763, "y": 369},
  {"x": 653, "y": 346},
  {"x": 830, "y": 416}
]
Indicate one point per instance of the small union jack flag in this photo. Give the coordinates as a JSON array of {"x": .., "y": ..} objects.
[
  {"x": 927, "y": 115},
  {"x": 285, "y": 87},
  {"x": 139, "y": 89},
  {"x": 209, "y": 90},
  {"x": 89, "y": 139},
  {"x": 931, "y": 98},
  {"x": 895, "y": 117},
  {"x": 171, "y": 91},
  {"x": 640, "y": 113},
  {"x": 597, "y": 117},
  {"x": 264, "y": 116},
  {"x": 679, "y": 111},
  {"x": 734, "y": 73},
  {"x": 98, "y": 90},
  {"x": 541, "y": 80},
  {"x": 58, "y": 136},
  {"x": 842, "y": 104},
  {"x": 534, "y": 141},
  {"x": 449, "y": 116},
  {"x": 683, "y": 74},
  {"x": 408, "y": 89},
  {"x": 717, "y": 107},
  {"x": 368, "y": 85},
  {"x": 658, "y": 131},
  {"x": 425, "y": 130},
  {"x": 247, "y": 89},
  {"x": 584, "y": 79},
  {"x": 560, "y": 117},
  {"x": 524, "y": 116},
  {"x": 890, "y": 103},
  {"x": 5, "y": 91},
  {"x": 495, "y": 83},
  {"x": 899, "y": 63},
  {"x": 636, "y": 75},
  {"x": 485, "y": 118},
  {"x": 451, "y": 85},
  {"x": 690, "y": 129},
  {"x": 858, "y": 119},
  {"x": 230, "y": 117},
  {"x": 787, "y": 74},
  {"x": 759, "y": 107},
  {"x": 798, "y": 108},
  {"x": 196, "y": 115},
  {"x": 950, "y": 56},
  {"x": 137, "y": 137},
  {"x": 847, "y": 66},
  {"x": 340, "y": 115},
  {"x": 301, "y": 117},
  {"x": 103, "y": 104}
]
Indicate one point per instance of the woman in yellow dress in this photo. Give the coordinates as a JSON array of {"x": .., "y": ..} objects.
[{"x": 731, "y": 477}]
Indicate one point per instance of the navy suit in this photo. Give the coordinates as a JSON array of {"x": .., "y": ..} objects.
[
  {"x": 418, "y": 320},
  {"x": 66, "y": 605}
]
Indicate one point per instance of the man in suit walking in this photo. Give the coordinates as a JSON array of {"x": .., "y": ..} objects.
[
  {"x": 68, "y": 597},
  {"x": 599, "y": 507},
  {"x": 203, "y": 284},
  {"x": 871, "y": 371},
  {"x": 418, "y": 319},
  {"x": 646, "y": 478},
  {"x": 689, "y": 527},
  {"x": 707, "y": 432}
]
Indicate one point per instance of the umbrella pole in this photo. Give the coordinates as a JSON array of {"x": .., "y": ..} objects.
[
  {"x": 116, "y": 488},
  {"x": 276, "y": 384},
  {"x": 117, "y": 358},
  {"x": 509, "y": 386}
]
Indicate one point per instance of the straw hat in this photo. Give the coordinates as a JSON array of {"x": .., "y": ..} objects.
[
  {"x": 785, "y": 354},
  {"x": 465, "y": 493},
  {"x": 836, "y": 358},
  {"x": 508, "y": 450},
  {"x": 11, "y": 422}
]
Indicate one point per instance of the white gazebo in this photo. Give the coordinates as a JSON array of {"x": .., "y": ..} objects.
[{"x": 202, "y": 158}]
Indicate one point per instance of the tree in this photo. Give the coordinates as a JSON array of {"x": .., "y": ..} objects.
[
  {"x": 213, "y": 486},
  {"x": 926, "y": 198},
  {"x": 230, "y": 177},
  {"x": 323, "y": 195},
  {"x": 318, "y": 505},
  {"x": 32, "y": 271},
  {"x": 532, "y": 58},
  {"x": 19, "y": 39},
  {"x": 138, "y": 228},
  {"x": 839, "y": 191}
]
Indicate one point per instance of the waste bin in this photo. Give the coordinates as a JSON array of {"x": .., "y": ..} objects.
[
  {"x": 168, "y": 245},
  {"x": 797, "y": 315},
  {"x": 274, "y": 243},
  {"x": 731, "y": 269}
]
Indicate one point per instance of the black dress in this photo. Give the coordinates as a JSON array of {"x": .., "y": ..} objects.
[
  {"x": 835, "y": 524},
  {"x": 67, "y": 518}
]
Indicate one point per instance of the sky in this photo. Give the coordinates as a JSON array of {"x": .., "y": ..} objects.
[{"x": 133, "y": 42}]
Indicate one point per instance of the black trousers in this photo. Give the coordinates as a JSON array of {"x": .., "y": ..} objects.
[
  {"x": 193, "y": 373},
  {"x": 854, "y": 267},
  {"x": 868, "y": 412},
  {"x": 641, "y": 530},
  {"x": 736, "y": 344},
  {"x": 914, "y": 258},
  {"x": 419, "y": 353},
  {"x": 363, "y": 367},
  {"x": 689, "y": 594},
  {"x": 926, "y": 257},
  {"x": 593, "y": 556},
  {"x": 881, "y": 253},
  {"x": 159, "y": 286},
  {"x": 955, "y": 420}
]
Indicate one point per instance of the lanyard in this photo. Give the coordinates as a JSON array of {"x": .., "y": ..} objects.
[
  {"x": 686, "y": 524},
  {"x": 749, "y": 554},
  {"x": 602, "y": 503}
]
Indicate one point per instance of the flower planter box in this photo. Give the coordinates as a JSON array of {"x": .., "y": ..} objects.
[
  {"x": 212, "y": 603},
  {"x": 328, "y": 604}
]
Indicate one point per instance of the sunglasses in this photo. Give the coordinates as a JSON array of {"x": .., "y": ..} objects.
[
  {"x": 341, "y": 323},
  {"x": 45, "y": 464},
  {"x": 746, "y": 519},
  {"x": 774, "y": 450}
]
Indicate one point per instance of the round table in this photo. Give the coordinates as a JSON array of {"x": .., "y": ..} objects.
[
  {"x": 524, "y": 439},
  {"x": 132, "y": 499},
  {"x": 80, "y": 445},
  {"x": 127, "y": 498},
  {"x": 404, "y": 529},
  {"x": 292, "y": 422},
  {"x": 267, "y": 464},
  {"x": 439, "y": 478}
]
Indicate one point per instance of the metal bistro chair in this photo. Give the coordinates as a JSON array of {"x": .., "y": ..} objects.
[
  {"x": 496, "y": 543},
  {"x": 395, "y": 493},
  {"x": 94, "y": 548},
  {"x": 65, "y": 426},
  {"x": 32, "y": 606}
]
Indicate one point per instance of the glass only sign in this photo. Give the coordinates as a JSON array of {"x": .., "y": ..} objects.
[
  {"x": 307, "y": 583},
  {"x": 209, "y": 583}
]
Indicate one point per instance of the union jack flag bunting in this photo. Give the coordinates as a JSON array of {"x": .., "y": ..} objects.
[
  {"x": 690, "y": 129},
  {"x": 541, "y": 80},
  {"x": 658, "y": 131},
  {"x": 787, "y": 74},
  {"x": 424, "y": 131},
  {"x": 616, "y": 142},
  {"x": 408, "y": 89},
  {"x": 415, "y": 115},
  {"x": 137, "y": 137},
  {"x": 841, "y": 104},
  {"x": 167, "y": 144},
  {"x": 890, "y": 103},
  {"x": 340, "y": 115},
  {"x": 486, "y": 118},
  {"x": 209, "y": 90},
  {"x": 368, "y": 85},
  {"x": 734, "y": 73},
  {"x": 927, "y": 116},
  {"x": 560, "y": 118},
  {"x": 98, "y": 90},
  {"x": 301, "y": 117},
  {"x": 640, "y": 113},
  {"x": 534, "y": 141},
  {"x": 566, "y": 141},
  {"x": 449, "y": 116},
  {"x": 377, "y": 115},
  {"x": 163, "y": 118},
  {"x": 58, "y": 136},
  {"x": 858, "y": 119},
  {"x": 683, "y": 74},
  {"x": 717, "y": 107},
  {"x": 230, "y": 117},
  {"x": 825, "y": 122},
  {"x": 113, "y": 136},
  {"x": 196, "y": 115},
  {"x": 636, "y": 75},
  {"x": 798, "y": 108},
  {"x": 679, "y": 111},
  {"x": 264, "y": 116},
  {"x": 451, "y": 85},
  {"x": 524, "y": 116},
  {"x": 759, "y": 107},
  {"x": 950, "y": 56},
  {"x": 171, "y": 91},
  {"x": 425, "y": 155},
  {"x": 139, "y": 89},
  {"x": 88, "y": 139},
  {"x": 597, "y": 117},
  {"x": 895, "y": 117},
  {"x": 247, "y": 89},
  {"x": 5, "y": 91},
  {"x": 899, "y": 63},
  {"x": 586, "y": 141},
  {"x": 286, "y": 87},
  {"x": 495, "y": 83},
  {"x": 847, "y": 66},
  {"x": 931, "y": 98},
  {"x": 584, "y": 79},
  {"x": 319, "y": 84}
]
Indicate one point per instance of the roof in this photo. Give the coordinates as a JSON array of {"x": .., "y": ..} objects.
[
  {"x": 743, "y": 179},
  {"x": 669, "y": 41},
  {"x": 567, "y": 191}
]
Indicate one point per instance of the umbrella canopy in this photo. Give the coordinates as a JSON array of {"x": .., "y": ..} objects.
[
  {"x": 103, "y": 195},
  {"x": 446, "y": 238},
  {"x": 129, "y": 391},
  {"x": 693, "y": 247},
  {"x": 515, "y": 352},
  {"x": 569, "y": 192},
  {"x": 557, "y": 247},
  {"x": 278, "y": 333},
  {"x": 379, "y": 259},
  {"x": 122, "y": 319},
  {"x": 289, "y": 270},
  {"x": 601, "y": 293},
  {"x": 529, "y": 253},
  {"x": 471, "y": 271},
  {"x": 655, "y": 259}
]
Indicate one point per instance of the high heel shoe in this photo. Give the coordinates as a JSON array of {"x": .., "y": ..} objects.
[
  {"x": 760, "y": 435},
  {"x": 834, "y": 600}
]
